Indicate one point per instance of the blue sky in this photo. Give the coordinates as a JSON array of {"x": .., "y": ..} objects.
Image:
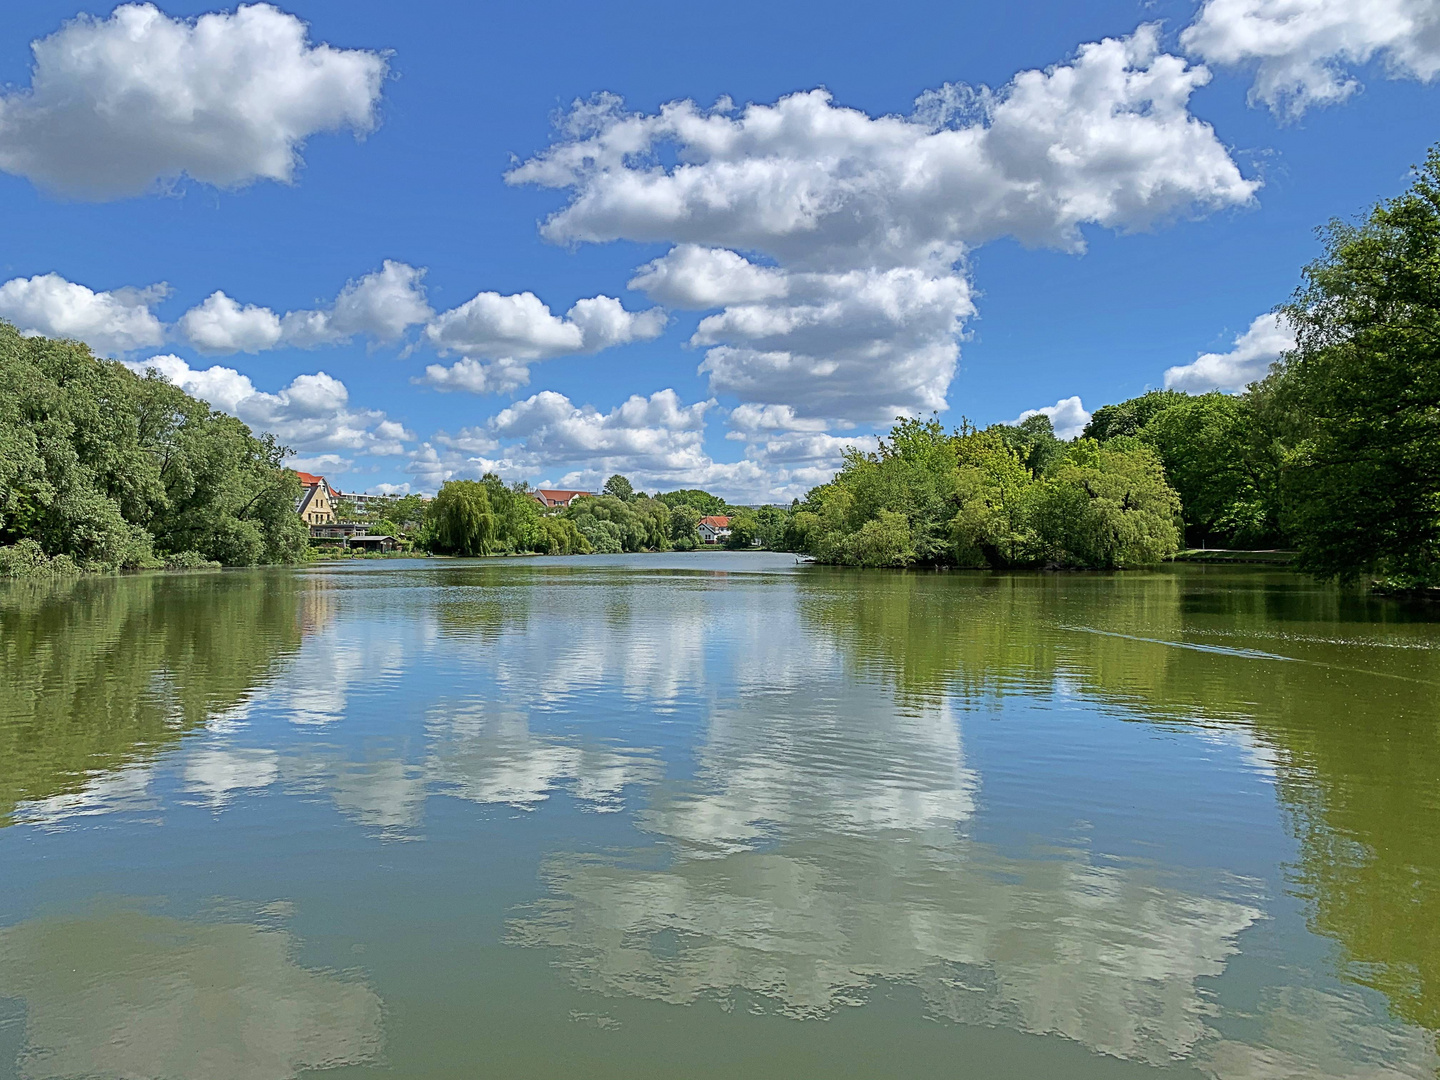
[{"x": 1132, "y": 204}]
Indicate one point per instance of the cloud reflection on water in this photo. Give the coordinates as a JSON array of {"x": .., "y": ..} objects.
[{"x": 128, "y": 995}]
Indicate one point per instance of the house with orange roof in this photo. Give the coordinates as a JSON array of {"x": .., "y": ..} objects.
[{"x": 714, "y": 528}]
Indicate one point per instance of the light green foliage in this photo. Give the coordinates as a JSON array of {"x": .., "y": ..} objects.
[
  {"x": 108, "y": 468},
  {"x": 932, "y": 498},
  {"x": 461, "y": 520},
  {"x": 884, "y": 540},
  {"x": 556, "y": 535},
  {"x": 27, "y": 559},
  {"x": 991, "y": 526},
  {"x": 913, "y": 474},
  {"x": 1105, "y": 507},
  {"x": 487, "y": 517},
  {"x": 611, "y": 525}
]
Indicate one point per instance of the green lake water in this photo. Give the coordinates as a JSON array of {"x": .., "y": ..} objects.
[{"x": 716, "y": 815}]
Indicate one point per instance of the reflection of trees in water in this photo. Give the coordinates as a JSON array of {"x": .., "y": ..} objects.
[
  {"x": 101, "y": 674},
  {"x": 822, "y": 846},
  {"x": 128, "y": 994},
  {"x": 1349, "y": 723}
]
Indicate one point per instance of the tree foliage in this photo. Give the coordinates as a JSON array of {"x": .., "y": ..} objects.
[
  {"x": 117, "y": 470},
  {"x": 969, "y": 498},
  {"x": 488, "y": 517},
  {"x": 1361, "y": 480},
  {"x": 612, "y": 525}
]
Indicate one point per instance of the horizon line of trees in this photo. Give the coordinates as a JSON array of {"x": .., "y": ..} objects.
[{"x": 1336, "y": 453}]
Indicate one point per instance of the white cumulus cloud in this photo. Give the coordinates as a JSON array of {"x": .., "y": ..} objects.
[
  {"x": 1302, "y": 51},
  {"x": 382, "y": 305},
  {"x": 109, "y": 322},
  {"x": 120, "y": 105},
  {"x": 1068, "y": 416},
  {"x": 834, "y": 242},
  {"x": 1268, "y": 336},
  {"x": 312, "y": 414},
  {"x": 512, "y": 331},
  {"x": 477, "y": 376},
  {"x": 222, "y": 325}
]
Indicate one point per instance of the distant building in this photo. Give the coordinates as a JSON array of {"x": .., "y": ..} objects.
[
  {"x": 548, "y": 497},
  {"x": 714, "y": 528},
  {"x": 316, "y": 505},
  {"x": 364, "y": 504}
]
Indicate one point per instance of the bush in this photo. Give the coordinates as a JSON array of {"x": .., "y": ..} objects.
[{"x": 27, "y": 559}]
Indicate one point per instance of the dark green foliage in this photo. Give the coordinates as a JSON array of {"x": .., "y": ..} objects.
[
  {"x": 684, "y": 526},
  {"x": 619, "y": 487},
  {"x": 115, "y": 470},
  {"x": 1222, "y": 469},
  {"x": 1033, "y": 441},
  {"x": 704, "y": 503},
  {"x": 1128, "y": 417},
  {"x": 1361, "y": 481}
]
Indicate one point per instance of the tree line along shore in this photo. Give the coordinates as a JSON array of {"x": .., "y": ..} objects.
[{"x": 1335, "y": 454}]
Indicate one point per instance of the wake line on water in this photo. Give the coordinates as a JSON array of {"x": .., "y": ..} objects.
[
  {"x": 1254, "y": 654},
  {"x": 1249, "y": 654}
]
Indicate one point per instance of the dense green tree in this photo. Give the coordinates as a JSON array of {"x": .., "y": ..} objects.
[
  {"x": 1217, "y": 463},
  {"x": 610, "y": 524},
  {"x": 1106, "y": 507},
  {"x": 619, "y": 487},
  {"x": 771, "y": 522},
  {"x": 1033, "y": 440},
  {"x": 118, "y": 470},
  {"x": 967, "y": 498},
  {"x": 1361, "y": 484},
  {"x": 684, "y": 526},
  {"x": 704, "y": 502},
  {"x": 991, "y": 525},
  {"x": 1128, "y": 417},
  {"x": 744, "y": 529},
  {"x": 461, "y": 520}
]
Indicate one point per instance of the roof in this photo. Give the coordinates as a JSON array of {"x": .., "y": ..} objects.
[
  {"x": 309, "y": 479},
  {"x": 717, "y": 521},
  {"x": 559, "y": 493}
]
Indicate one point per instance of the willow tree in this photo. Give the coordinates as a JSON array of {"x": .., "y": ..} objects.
[{"x": 461, "y": 519}]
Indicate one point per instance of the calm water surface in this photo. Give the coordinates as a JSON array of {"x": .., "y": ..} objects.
[{"x": 716, "y": 815}]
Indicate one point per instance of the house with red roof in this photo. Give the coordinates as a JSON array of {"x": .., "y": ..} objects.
[
  {"x": 548, "y": 497},
  {"x": 714, "y": 528},
  {"x": 316, "y": 505}
]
